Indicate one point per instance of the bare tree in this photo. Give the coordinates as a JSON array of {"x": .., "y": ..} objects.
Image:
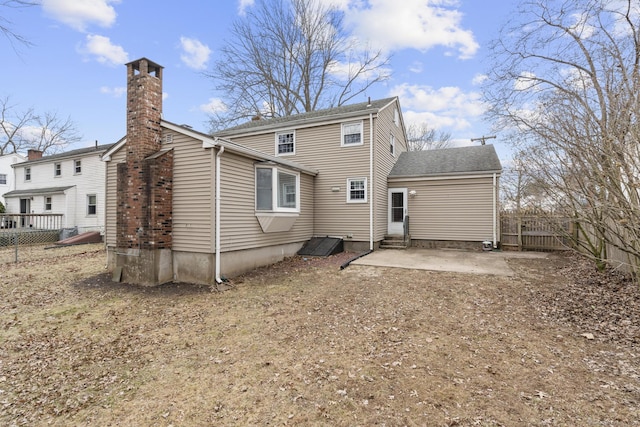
[
  {"x": 422, "y": 137},
  {"x": 21, "y": 130},
  {"x": 566, "y": 82},
  {"x": 291, "y": 56},
  {"x": 5, "y": 22}
]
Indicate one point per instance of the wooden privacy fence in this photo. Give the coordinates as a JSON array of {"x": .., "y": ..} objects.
[{"x": 535, "y": 232}]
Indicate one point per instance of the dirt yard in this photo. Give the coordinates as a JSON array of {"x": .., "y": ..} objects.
[{"x": 304, "y": 343}]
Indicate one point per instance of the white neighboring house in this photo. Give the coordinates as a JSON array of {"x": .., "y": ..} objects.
[
  {"x": 7, "y": 181},
  {"x": 70, "y": 183}
]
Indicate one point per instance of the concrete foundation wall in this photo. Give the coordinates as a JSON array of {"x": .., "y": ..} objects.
[
  {"x": 446, "y": 244},
  {"x": 142, "y": 266},
  {"x": 359, "y": 246},
  {"x": 238, "y": 262},
  {"x": 193, "y": 267}
]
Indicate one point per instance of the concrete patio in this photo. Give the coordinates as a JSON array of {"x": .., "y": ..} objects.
[{"x": 459, "y": 261}]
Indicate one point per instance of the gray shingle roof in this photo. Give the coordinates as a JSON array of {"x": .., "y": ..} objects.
[
  {"x": 37, "y": 191},
  {"x": 72, "y": 153},
  {"x": 447, "y": 161},
  {"x": 312, "y": 116}
]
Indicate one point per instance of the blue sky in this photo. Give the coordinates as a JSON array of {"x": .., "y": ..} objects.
[{"x": 75, "y": 67}]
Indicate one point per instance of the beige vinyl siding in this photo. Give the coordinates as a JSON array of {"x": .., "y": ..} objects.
[
  {"x": 384, "y": 161},
  {"x": 451, "y": 209},
  {"x": 111, "y": 197},
  {"x": 239, "y": 227},
  {"x": 319, "y": 147},
  {"x": 193, "y": 195}
]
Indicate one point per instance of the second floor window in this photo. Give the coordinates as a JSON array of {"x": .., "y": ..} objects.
[
  {"x": 47, "y": 203},
  {"x": 3, "y": 179},
  {"x": 392, "y": 144},
  {"x": 285, "y": 143},
  {"x": 352, "y": 133},
  {"x": 27, "y": 174},
  {"x": 77, "y": 164},
  {"x": 57, "y": 169}
]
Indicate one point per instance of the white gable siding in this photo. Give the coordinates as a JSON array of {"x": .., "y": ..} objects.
[{"x": 5, "y": 169}]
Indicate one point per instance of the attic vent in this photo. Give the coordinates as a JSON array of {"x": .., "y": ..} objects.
[{"x": 168, "y": 138}]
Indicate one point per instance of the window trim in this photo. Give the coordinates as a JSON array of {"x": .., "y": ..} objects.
[
  {"x": 49, "y": 203},
  {"x": 27, "y": 174},
  {"x": 77, "y": 167},
  {"x": 366, "y": 195},
  {"x": 342, "y": 133},
  {"x": 57, "y": 169},
  {"x": 95, "y": 205},
  {"x": 396, "y": 117},
  {"x": 275, "y": 170},
  {"x": 285, "y": 132}
]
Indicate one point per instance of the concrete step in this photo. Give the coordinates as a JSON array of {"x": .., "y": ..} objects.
[{"x": 395, "y": 242}]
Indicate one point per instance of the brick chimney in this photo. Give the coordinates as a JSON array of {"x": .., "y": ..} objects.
[
  {"x": 34, "y": 154},
  {"x": 145, "y": 180}
]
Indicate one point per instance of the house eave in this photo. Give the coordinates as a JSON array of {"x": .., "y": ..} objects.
[{"x": 442, "y": 176}]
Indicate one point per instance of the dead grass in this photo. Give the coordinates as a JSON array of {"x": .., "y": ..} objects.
[{"x": 303, "y": 343}]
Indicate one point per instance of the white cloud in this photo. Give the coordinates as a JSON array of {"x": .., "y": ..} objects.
[
  {"x": 417, "y": 24},
  {"x": 416, "y": 67},
  {"x": 215, "y": 105},
  {"x": 243, "y": 5},
  {"x": 478, "y": 79},
  {"x": 445, "y": 107},
  {"x": 195, "y": 54},
  {"x": 104, "y": 51},
  {"x": 116, "y": 92},
  {"x": 525, "y": 81},
  {"x": 78, "y": 14}
]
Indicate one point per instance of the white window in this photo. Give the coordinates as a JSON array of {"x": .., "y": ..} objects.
[
  {"x": 392, "y": 144},
  {"x": 285, "y": 143},
  {"x": 396, "y": 117},
  {"x": 47, "y": 203},
  {"x": 57, "y": 169},
  {"x": 357, "y": 190},
  {"x": 277, "y": 190},
  {"x": 351, "y": 134},
  {"x": 27, "y": 174},
  {"x": 77, "y": 167},
  {"x": 3, "y": 179},
  {"x": 92, "y": 204}
]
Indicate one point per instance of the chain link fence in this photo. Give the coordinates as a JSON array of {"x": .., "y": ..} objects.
[{"x": 18, "y": 245}]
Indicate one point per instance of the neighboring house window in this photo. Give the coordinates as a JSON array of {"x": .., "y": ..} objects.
[
  {"x": 77, "y": 164},
  {"x": 276, "y": 190},
  {"x": 3, "y": 179},
  {"x": 357, "y": 190},
  {"x": 396, "y": 117},
  {"x": 285, "y": 143},
  {"x": 27, "y": 174},
  {"x": 392, "y": 144},
  {"x": 352, "y": 134},
  {"x": 47, "y": 203},
  {"x": 57, "y": 169},
  {"x": 92, "y": 204}
]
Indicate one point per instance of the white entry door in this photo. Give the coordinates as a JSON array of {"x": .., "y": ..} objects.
[{"x": 397, "y": 210}]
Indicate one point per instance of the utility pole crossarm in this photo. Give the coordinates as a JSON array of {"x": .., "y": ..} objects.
[{"x": 483, "y": 139}]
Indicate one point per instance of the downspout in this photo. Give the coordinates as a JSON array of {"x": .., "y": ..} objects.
[
  {"x": 371, "y": 181},
  {"x": 220, "y": 151},
  {"x": 495, "y": 212}
]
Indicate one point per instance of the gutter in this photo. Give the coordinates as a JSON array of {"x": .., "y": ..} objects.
[
  {"x": 495, "y": 212},
  {"x": 371, "y": 181},
  {"x": 218, "y": 155}
]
